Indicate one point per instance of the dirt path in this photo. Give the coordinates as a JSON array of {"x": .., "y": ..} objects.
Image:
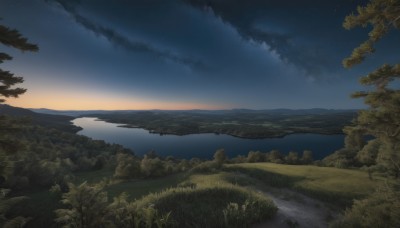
[{"x": 296, "y": 210}]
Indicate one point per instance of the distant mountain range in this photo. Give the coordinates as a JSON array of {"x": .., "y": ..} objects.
[
  {"x": 60, "y": 122},
  {"x": 325, "y": 121},
  {"x": 313, "y": 111}
]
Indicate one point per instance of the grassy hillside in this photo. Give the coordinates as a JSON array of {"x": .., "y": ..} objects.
[
  {"x": 338, "y": 186},
  {"x": 317, "y": 182},
  {"x": 308, "y": 179},
  {"x": 59, "y": 122}
]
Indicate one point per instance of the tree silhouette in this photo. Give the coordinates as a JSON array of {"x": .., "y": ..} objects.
[
  {"x": 87, "y": 206},
  {"x": 382, "y": 119},
  {"x": 220, "y": 157},
  {"x": 12, "y": 38}
]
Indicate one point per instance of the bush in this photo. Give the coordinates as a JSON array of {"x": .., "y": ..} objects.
[
  {"x": 380, "y": 209},
  {"x": 88, "y": 207},
  {"x": 245, "y": 215},
  {"x": 342, "y": 158},
  {"x": 152, "y": 167},
  {"x": 206, "y": 167},
  {"x": 292, "y": 158},
  {"x": 255, "y": 156},
  {"x": 206, "y": 206},
  {"x": 220, "y": 157},
  {"x": 127, "y": 167}
]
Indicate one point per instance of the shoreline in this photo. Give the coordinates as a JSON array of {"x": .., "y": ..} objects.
[{"x": 277, "y": 136}]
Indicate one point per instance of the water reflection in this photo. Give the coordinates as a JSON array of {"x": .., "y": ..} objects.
[{"x": 204, "y": 145}]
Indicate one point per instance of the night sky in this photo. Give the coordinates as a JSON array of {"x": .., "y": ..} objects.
[{"x": 188, "y": 54}]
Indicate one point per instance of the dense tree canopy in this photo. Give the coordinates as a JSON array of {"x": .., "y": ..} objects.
[{"x": 382, "y": 119}]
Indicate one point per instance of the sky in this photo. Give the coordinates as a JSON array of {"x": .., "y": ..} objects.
[{"x": 188, "y": 54}]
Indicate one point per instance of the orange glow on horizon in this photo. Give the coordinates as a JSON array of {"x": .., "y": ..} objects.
[{"x": 88, "y": 102}]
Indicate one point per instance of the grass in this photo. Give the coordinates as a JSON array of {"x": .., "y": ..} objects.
[
  {"x": 139, "y": 188},
  {"x": 41, "y": 204},
  {"x": 210, "y": 205},
  {"x": 135, "y": 188},
  {"x": 93, "y": 176},
  {"x": 338, "y": 186}
]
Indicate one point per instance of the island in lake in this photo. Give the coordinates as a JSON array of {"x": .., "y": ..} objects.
[{"x": 241, "y": 123}]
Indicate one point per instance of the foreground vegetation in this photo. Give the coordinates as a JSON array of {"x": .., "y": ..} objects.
[
  {"x": 336, "y": 186},
  {"x": 226, "y": 189},
  {"x": 54, "y": 168}
]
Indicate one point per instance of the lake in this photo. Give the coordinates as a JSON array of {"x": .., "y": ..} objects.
[{"x": 204, "y": 145}]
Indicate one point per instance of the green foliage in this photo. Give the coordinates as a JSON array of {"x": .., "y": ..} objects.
[
  {"x": 259, "y": 124},
  {"x": 45, "y": 156},
  {"x": 307, "y": 157},
  {"x": 204, "y": 206},
  {"x": 123, "y": 213},
  {"x": 220, "y": 157},
  {"x": 382, "y": 119},
  {"x": 255, "y": 156},
  {"x": 389, "y": 156},
  {"x": 127, "y": 167},
  {"x": 270, "y": 178},
  {"x": 342, "y": 158},
  {"x": 239, "y": 159},
  {"x": 336, "y": 186},
  {"x": 12, "y": 38},
  {"x": 152, "y": 167},
  {"x": 368, "y": 154},
  {"x": 5, "y": 206},
  {"x": 136, "y": 189},
  {"x": 275, "y": 156},
  {"x": 206, "y": 167},
  {"x": 87, "y": 206},
  {"x": 244, "y": 215},
  {"x": 292, "y": 158},
  {"x": 382, "y": 16},
  {"x": 380, "y": 209}
]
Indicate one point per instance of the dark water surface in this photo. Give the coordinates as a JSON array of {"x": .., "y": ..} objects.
[{"x": 204, "y": 145}]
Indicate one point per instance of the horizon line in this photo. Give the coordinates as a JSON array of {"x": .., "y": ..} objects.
[{"x": 232, "y": 109}]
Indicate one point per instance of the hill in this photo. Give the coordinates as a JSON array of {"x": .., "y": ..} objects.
[{"x": 59, "y": 122}]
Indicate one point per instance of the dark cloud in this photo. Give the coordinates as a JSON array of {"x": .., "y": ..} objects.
[
  {"x": 310, "y": 18},
  {"x": 120, "y": 40},
  {"x": 251, "y": 54}
]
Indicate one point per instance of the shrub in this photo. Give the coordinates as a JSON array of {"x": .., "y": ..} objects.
[
  {"x": 292, "y": 158},
  {"x": 204, "y": 206},
  {"x": 219, "y": 157},
  {"x": 307, "y": 157},
  {"x": 87, "y": 206},
  {"x": 152, "y": 167},
  {"x": 127, "y": 167},
  {"x": 206, "y": 167},
  {"x": 380, "y": 209},
  {"x": 245, "y": 215},
  {"x": 255, "y": 156}
]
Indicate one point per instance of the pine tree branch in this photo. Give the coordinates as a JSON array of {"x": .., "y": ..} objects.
[{"x": 11, "y": 37}]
